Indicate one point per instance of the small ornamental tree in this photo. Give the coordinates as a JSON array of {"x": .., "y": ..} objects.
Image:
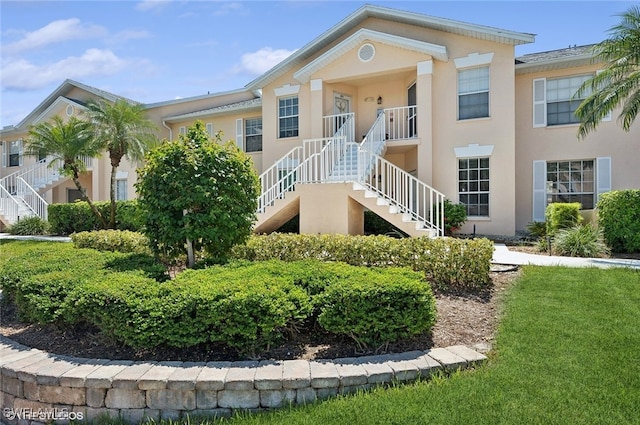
[{"x": 197, "y": 194}]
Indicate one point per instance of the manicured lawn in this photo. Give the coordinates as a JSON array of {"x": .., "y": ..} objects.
[{"x": 568, "y": 352}]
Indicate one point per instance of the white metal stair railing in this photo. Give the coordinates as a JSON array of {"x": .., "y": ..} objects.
[
  {"x": 32, "y": 199},
  {"x": 9, "y": 206}
]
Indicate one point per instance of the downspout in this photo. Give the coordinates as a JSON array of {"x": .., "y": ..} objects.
[{"x": 164, "y": 124}]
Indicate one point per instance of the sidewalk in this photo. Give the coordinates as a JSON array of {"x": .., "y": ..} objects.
[{"x": 502, "y": 255}]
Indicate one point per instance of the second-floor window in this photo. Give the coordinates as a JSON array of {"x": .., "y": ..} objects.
[
  {"x": 253, "y": 134},
  {"x": 15, "y": 153},
  {"x": 561, "y": 106},
  {"x": 473, "y": 93},
  {"x": 288, "y": 117}
]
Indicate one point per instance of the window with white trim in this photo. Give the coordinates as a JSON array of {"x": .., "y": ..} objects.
[
  {"x": 288, "y": 117},
  {"x": 15, "y": 153},
  {"x": 473, "y": 93},
  {"x": 560, "y": 105},
  {"x": 553, "y": 102},
  {"x": 571, "y": 181},
  {"x": 473, "y": 185},
  {"x": 253, "y": 134},
  {"x": 121, "y": 189}
]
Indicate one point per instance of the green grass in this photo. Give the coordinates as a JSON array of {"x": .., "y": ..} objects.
[{"x": 568, "y": 352}]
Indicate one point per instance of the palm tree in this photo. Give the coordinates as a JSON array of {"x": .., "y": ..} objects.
[
  {"x": 66, "y": 142},
  {"x": 123, "y": 130},
  {"x": 619, "y": 81}
]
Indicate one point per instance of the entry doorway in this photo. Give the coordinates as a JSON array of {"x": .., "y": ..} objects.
[{"x": 413, "y": 113}]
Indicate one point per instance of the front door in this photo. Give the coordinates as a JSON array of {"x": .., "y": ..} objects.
[{"x": 341, "y": 107}]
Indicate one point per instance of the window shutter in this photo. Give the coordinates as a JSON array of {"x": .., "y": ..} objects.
[
  {"x": 603, "y": 176},
  {"x": 539, "y": 103},
  {"x": 608, "y": 116},
  {"x": 210, "y": 129},
  {"x": 539, "y": 190},
  {"x": 239, "y": 137},
  {"x": 5, "y": 148}
]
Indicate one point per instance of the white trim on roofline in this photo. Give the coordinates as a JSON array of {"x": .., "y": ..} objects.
[
  {"x": 356, "y": 39},
  {"x": 54, "y": 104},
  {"x": 369, "y": 11}
]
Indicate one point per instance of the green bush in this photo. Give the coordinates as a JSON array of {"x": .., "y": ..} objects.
[
  {"x": 200, "y": 192},
  {"x": 378, "y": 306},
  {"x": 561, "y": 215},
  {"x": 112, "y": 240},
  {"x": 538, "y": 229},
  {"x": 619, "y": 218},
  {"x": 580, "y": 241},
  {"x": 30, "y": 226},
  {"x": 66, "y": 219},
  {"x": 447, "y": 262},
  {"x": 455, "y": 216}
]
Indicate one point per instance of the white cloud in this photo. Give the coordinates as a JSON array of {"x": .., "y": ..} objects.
[
  {"x": 228, "y": 8},
  {"x": 152, "y": 5},
  {"x": 54, "y": 32},
  {"x": 24, "y": 75},
  {"x": 124, "y": 36},
  {"x": 263, "y": 60}
]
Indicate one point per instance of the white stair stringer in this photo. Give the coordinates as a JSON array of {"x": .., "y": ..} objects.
[
  {"x": 277, "y": 214},
  {"x": 391, "y": 213}
]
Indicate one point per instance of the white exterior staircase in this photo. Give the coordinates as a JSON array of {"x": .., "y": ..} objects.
[
  {"x": 387, "y": 190},
  {"x": 21, "y": 192}
]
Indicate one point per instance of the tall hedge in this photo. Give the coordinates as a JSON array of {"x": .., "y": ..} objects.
[{"x": 619, "y": 218}]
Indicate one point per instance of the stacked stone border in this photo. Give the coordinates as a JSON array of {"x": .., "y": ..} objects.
[{"x": 38, "y": 387}]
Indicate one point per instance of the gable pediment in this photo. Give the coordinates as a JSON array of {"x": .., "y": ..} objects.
[
  {"x": 363, "y": 36},
  {"x": 62, "y": 106}
]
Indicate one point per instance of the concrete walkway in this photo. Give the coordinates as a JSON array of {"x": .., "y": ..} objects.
[{"x": 501, "y": 255}]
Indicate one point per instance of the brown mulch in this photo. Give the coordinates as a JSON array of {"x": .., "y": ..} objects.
[{"x": 468, "y": 319}]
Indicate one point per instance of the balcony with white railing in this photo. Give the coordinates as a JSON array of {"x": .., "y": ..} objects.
[{"x": 401, "y": 123}]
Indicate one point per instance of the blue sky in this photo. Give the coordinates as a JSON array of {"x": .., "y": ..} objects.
[{"x": 152, "y": 51}]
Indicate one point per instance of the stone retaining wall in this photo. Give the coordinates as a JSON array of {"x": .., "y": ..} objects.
[{"x": 37, "y": 387}]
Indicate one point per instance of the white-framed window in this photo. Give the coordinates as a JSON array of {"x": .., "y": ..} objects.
[
  {"x": 253, "y": 134},
  {"x": 473, "y": 93},
  {"x": 571, "y": 181},
  {"x": 182, "y": 130},
  {"x": 14, "y": 153},
  {"x": 575, "y": 180},
  {"x": 210, "y": 129},
  {"x": 121, "y": 189},
  {"x": 553, "y": 102},
  {"x": 473, "y": 185},
  {"x": 288, "y": 117}
]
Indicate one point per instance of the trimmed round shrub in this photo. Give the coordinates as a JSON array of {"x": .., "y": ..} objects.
[
  {"x": 561, "y": 215},
  {"x": 378, "y": 307}
]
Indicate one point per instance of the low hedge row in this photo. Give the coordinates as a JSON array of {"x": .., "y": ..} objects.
[
  {"x": 245, "y": 306},
  {"x": 65, "y": 219},
  {"x": 112, "y": 240},
  {"x": 447, "y": 262}
]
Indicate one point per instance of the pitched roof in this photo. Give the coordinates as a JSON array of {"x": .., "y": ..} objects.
[
  {"x": 570, "y": 57},
  {"x": 219, "y": 110},
  {"x": 369, "y": 11}
]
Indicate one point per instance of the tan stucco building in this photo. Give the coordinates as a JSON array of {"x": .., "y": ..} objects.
[{"x": 389, "y": 111}]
